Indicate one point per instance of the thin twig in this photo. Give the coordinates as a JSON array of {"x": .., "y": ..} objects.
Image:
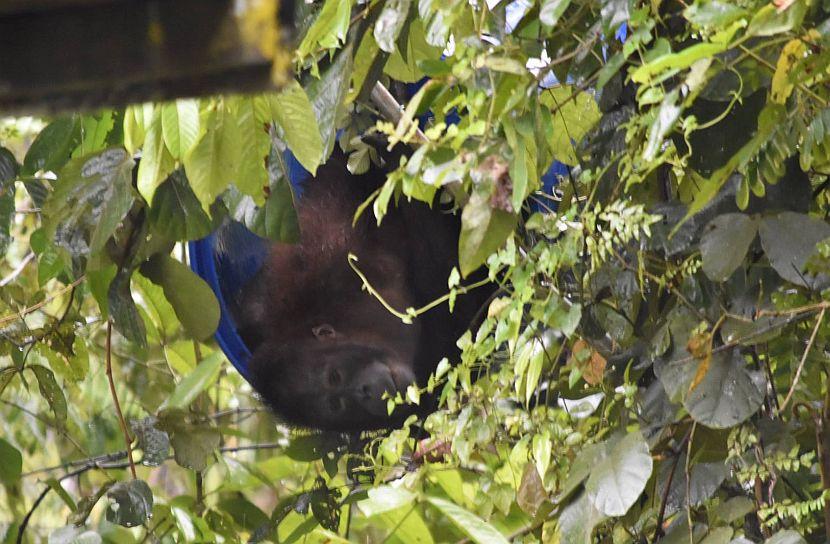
[
  {"x": 25, "y": 522},
  {"x": 127, "y": 439},
  {"x": 803, "y": 360},
  {"x": 5, "y": 320},
  {"x": 687, "y": 472},
  {"x": 16, "y": 272}
]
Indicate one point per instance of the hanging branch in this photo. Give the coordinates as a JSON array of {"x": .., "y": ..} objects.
[{"x": 127, "y": 439}]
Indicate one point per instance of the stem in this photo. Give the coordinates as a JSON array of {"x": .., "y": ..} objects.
[
  {"x": 127, "y": 439},
  {"x": 803, "y": 360}
]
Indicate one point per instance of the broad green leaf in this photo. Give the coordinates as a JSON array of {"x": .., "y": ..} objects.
[
  {"x": 789, "y": 239},
  {"x": 293, "y": 111},
  {"x": 473, "y": 526},
  {"x": 193, "y": 443},
  {"x": 131, "y": 503},
  {"x": 769, "y": 20},
  {"x": 718, "y": 535},
  {"x": 483, "y": 231},
  {"x": 53, "y": 146},
  {"x": 203, "y": 376},
  {"x": 180, "y": 126},
  {"x": 154, "y": 443},
  {"x": 94, "y": 132},
  {"x": 11, "y": 463},
  {"x": 122, "y": 309},
  {"x": 92, "y": 196},
  {"x": 191, "y": 297},
  {"x": 277, "y": 219},
  {"x": 74, "y": 535},
  {"x": 714, "y": 13},
  {"x": 329, "y": 28},
  {"x": 552, "y": 10},
  {"x": 176, "y": 213},
  {"x": 572, "y": 119},
  {"x": 667, "y": 115},
  {"x": 51, "y": 392},
  {"x": 213, "y": 162},
  {"x": 137, "y": 119},
  {"x": 156, "y": 163},
  {"x": 385, "y": 498},
  {"x": 327, "y": 96},
  {"x": 577, "y": 521},
  {"x": 161, "y": 313},
  {"x": 406, "y": 65},
  {"x": 255, "y": 143},
  {"x": 724, "y": 244},
  {"x": 616, "y": 483},
  {"x": 8, "y": 174},
  {"x": 245, "y": 513},
  {"x": 786, "y": 536},
  {"x": 728, "y": 394},
  {"x": 677, "y": 61},
  {"x": 390, "y": 23}
]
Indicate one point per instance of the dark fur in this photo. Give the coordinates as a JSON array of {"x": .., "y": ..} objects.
[{"x": 325, "y": 350}]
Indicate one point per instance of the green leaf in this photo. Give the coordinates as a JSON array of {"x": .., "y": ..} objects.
[
  {"x": 74, "y": 535},
  {"x": 713, "y": 13},
  {"x": 180, "y": 126},
  {"x": 327, "y": 95},
  {"x": 51, "y": 391},
  {"x": 154, "y": 443},
  {"x": 577, "y": 521},
  {"x": 122, "y": 309},
  {"x": 406, "y": 65},
  {"x": 176, "y": 213},
  {"x": 92, "y": 196},
  {"x": 769, "y": 20},
  {"x": 724, "y": 244},
  {"x": 329, "y": 28},
  {"x": 94, "y": 131},
  {"x": 718, "y": 535},
  {"x": 245, "y": 513},
  {"x": 213, "y": 162},
  {"x": 728, "y": 394},
  {"x": 667, "y": 115},
  {"x": 294, "y": 113},
  {"x": 191, "y": 297},
  {"x": 11, "y": 463},
  {"x": 473, "y": 526},
  {"x": 787, "y": 536},
  {"x": 255, "y": 144},
  {"x": 8, "y": 174},
  {"x": 483, "y": 231},
  {"x": 156, "y": 163},
  {"x": 193, "y": 444},
  {"x": 53, "y": 146},
  {"x": 616, "y": 483},
  {"x": 789, "y": 239},
  {"x": 572, "y": 119},
  {"x": 390, "y": 23},
  {"x": 203, "y": 376},
  {"x": 385, "y": 498},
  {"x": 131, "y": 503},
  {"x": 552, "y": 10}
]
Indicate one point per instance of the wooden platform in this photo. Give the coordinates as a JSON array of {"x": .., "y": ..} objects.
[{"x": 82, "y": 54}]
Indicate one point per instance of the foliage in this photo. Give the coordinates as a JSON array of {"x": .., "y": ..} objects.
[{"x": 652, "y": 367}]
